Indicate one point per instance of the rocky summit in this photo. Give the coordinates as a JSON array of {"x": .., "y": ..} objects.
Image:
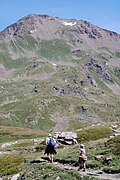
[{"x": 58, "y": 74}]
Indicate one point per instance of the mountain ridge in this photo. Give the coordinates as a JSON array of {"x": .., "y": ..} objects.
[
  {"x": 78, "y": 33},
  {"x": 56, "y": 18}
]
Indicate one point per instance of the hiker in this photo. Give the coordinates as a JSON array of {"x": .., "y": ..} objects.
[
  {"x": 82, "y": 157},
  {"x": 50, "y": 147}
]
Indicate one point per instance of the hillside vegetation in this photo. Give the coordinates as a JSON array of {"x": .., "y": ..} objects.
[{"x": 26, "y": 158}]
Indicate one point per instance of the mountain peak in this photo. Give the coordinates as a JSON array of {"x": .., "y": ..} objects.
[{"x": 47, "y": 27}]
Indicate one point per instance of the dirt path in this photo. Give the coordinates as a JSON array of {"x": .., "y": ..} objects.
[
  {"x": 61, "y": 122},
  {"x": 89, "y": 172},
  {"x": 92, "y": 173}
]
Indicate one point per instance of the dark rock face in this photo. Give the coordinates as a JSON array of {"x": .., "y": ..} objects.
[
  {"x": 91, "y": 80},
  {"x": 87, "y": 28},
  {"x": 100, "y": 70},
  {"x": 117, "y": 72},
  {"x": 77, "y": 53},
  {"x": 24, "y": 26}
]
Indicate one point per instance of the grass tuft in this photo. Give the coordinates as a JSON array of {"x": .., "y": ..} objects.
[{"x": 9, "y": 164}]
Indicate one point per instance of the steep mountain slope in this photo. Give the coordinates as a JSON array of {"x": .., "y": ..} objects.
[{"x": 58, "y": 72}]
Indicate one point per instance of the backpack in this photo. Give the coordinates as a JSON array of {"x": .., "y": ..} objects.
[
  {"x": 82, "y": 157},
  {"x": 51, "y": 142}
]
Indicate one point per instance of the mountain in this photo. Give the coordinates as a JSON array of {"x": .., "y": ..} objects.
[{"x": 58, "y": 74}]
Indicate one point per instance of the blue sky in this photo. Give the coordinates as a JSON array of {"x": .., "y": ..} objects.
[{"x": 102, "y": 13}]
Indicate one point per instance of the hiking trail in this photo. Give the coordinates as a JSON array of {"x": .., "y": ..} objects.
[{"x": 89, "y": 172}]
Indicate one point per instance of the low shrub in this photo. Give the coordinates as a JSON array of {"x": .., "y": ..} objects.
[
  {"x": 9, "y": 164},
  {"x": 114, "y": 145},
  {"x": 93, "y": 133}
]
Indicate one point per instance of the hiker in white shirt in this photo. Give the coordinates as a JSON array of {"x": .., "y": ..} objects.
[
  {"x": 50, "y": 147},
  {"x": 82, "y": 157}
]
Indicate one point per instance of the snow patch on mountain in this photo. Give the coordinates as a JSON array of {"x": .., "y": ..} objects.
[
  {"x": 33, "y": 31},
  {"x": 69, "y": 23}
]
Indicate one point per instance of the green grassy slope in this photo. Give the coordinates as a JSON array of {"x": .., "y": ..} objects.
[{"x": 45, "y": 79}]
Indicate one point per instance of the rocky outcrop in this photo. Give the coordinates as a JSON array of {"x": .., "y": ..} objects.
[
  {"x": 66, "y": 138},
  {"x": 117, "y": 72},
  {"x": 100, "y": 70},
  {"x": 91, "y": 80},
  {"x": 78, "y": 53}
]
